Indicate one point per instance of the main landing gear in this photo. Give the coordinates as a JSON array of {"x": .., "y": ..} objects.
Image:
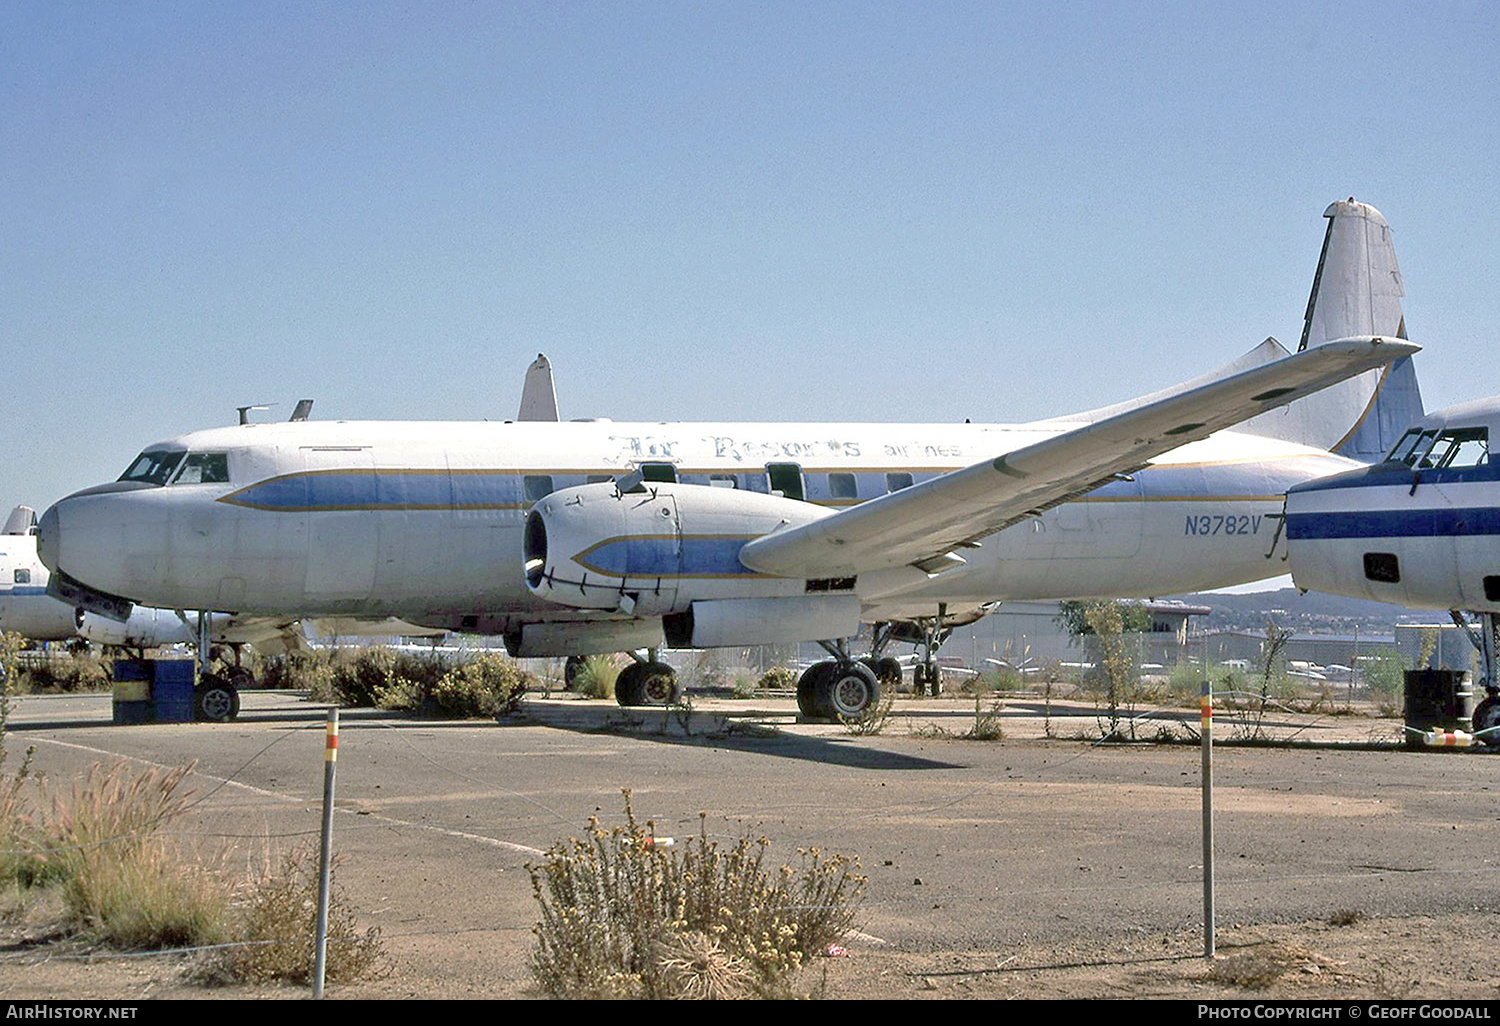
[
  {"x": 647, "y": 681},
  {"x": 1487, "y": 641},
  {"x": 841, "y": 687}
]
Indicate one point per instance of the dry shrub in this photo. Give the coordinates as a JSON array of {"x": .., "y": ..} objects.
[
  {"x": 989, "y": 723},
  {"x": 485, "y": 684},
  {"x": 622, "y": 917},
  {"x": 873, "y": 719},
  {"x": 120, "y": 880},
  {"x": 1264, "y": 965},
  {"x": 279, "y": 930},
  {"x": 68, "y": 672},
  {"x": 152, "y": 897},
  {"x": 778, "y": 678}
]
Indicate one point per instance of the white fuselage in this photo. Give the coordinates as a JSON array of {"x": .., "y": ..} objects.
[
  {"x": 1421, "y": 529},
  {"x": 424, "y": 521},
  {"x": 26, "y": 608}
]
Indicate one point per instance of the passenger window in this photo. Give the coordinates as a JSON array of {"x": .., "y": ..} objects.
[
  {"x": 786, "y": 478},
  {"x": 896, "y": 482},
  {"x": 537, "y": 486},
  {"x": 1383, "y": 567},
  {"x": 662, "y": 473},
  {"x": 842, "y": 486},
  {"x": 204, "y": 468},
  {"x": 23, "y": 576}
]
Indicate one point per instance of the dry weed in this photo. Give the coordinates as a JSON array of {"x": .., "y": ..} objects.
[
  {"x": 624, "y": 917},
  {"x": 279, "y": 936}
]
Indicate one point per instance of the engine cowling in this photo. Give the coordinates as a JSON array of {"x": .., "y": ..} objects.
[{"x": 654, "y": 551}]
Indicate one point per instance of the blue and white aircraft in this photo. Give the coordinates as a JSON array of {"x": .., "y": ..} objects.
[
  {"x": 26, "y": 608},
  {"x": 1421, "y": 529},
  {"x": 572, "y": 538}
]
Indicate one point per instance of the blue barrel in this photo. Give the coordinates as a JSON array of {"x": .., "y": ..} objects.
[
  {"x": 132, "y": 690},
  {"x": 132, "y": 670},
  {"x": 172, "y": 690},
  {"x": 132, "y": 712}
]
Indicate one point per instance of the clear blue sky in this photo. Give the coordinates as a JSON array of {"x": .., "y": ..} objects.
[{"x": 764, "y": 211}]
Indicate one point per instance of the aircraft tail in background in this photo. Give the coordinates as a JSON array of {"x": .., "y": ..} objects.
[
  {"x": 1356, "y": 290},
  {"x": 538, "y": 395}
]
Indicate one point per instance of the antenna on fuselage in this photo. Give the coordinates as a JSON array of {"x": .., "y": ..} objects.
[
  {"x": 245, "y": 410},
  {"x": 303, "y": 410}
]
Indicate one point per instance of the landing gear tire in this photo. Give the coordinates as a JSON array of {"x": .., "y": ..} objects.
[
  {"x": 1486, "y": 716},
  {"x": 887, "y": 671},
  {"x": 647, "y": 684},
  {"x": 809, "y": 687},
  {"x": 571, "y": 669},
  {"x": 925, "y": 679},
  {"x": 849, "y": 691},
  {"x": 216, "y": 700}
]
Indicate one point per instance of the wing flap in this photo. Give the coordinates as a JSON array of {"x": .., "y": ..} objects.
[{"x": 930, "y": 519}]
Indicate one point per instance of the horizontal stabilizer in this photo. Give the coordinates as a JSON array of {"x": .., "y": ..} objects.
[{"x": 926, "y": 521}]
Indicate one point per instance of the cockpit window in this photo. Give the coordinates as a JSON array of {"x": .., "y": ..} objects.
[
  {"x": 1412, "y": 447},
  {"x": 1460, "y": 447},
  {"x": 154, "y": 467},
  {"x": 204, "y": 468}
]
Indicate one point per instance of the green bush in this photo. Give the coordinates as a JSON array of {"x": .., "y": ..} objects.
[
  {"x": 1384, "y": 674},
  {"x": 485, "y": 685},
  {"x": 596, "y": 677}
]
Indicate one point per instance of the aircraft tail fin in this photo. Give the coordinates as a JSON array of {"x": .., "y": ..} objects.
[
  {"x": 1356, "y": 290},
  {"x": 21, "y": 520},
  {"x": 538, "y": 396}
]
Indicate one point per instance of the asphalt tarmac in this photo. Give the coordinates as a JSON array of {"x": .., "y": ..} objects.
[{"x": 1025, "y": 841}]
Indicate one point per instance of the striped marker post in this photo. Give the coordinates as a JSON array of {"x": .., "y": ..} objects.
[
  {"x": 1206, "y": 734},
  {"x": 330, "y": 763}
]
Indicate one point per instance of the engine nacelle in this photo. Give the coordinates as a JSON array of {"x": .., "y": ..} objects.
[
  {"x": 654, "y": 551},
  {"x": 731, "y": 623},
  {"x": 591, "y": 637}
]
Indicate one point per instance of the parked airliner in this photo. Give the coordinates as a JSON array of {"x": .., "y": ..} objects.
[
  {"x": 1420, "y": 529},
  {"x": 572, "y": 538}
]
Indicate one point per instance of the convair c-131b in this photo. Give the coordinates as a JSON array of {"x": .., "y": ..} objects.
[{"x": 571, "y": 538}]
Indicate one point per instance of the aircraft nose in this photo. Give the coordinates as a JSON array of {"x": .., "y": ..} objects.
[{"x": 47, "y": 538}]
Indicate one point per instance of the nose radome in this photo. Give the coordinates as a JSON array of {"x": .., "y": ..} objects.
[{"x": 46, "y": 538}]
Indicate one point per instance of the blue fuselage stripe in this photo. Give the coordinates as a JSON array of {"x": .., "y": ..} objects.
[{"x": 1422, "y": 523}]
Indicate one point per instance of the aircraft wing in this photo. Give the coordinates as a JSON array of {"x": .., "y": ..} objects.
[{"x": 928, "y": 525}]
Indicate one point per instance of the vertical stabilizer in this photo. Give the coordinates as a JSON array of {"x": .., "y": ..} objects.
[
  {"x": 538, "y": 397},
  {"x": 1356, "y": 290},
  {"x": 21, "y": 520}
]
